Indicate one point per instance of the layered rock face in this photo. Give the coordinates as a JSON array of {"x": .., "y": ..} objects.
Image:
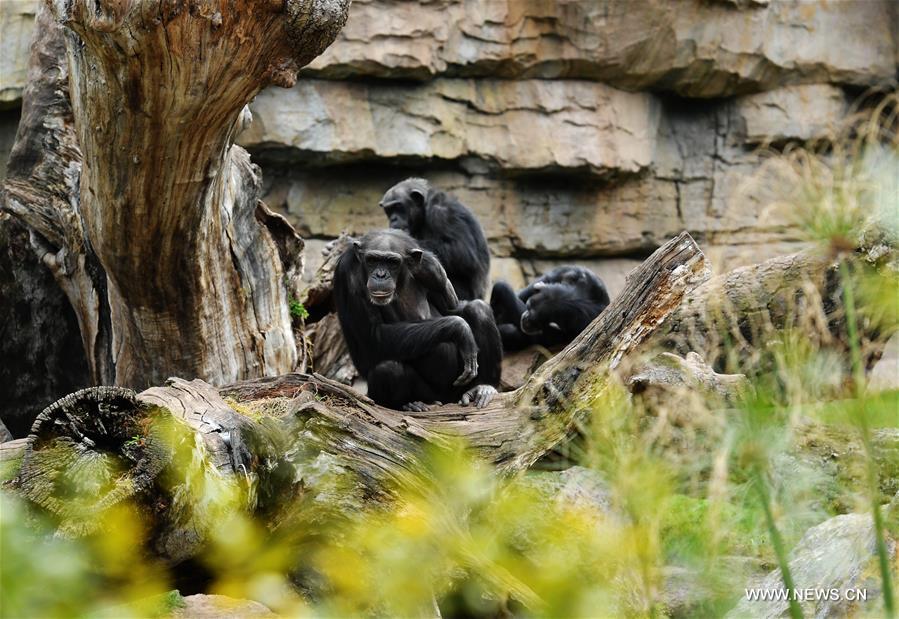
[{"x": 584, "y": 132}]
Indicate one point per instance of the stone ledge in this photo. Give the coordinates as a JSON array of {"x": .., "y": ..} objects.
[
  {"x": 695, "y": 48},
  {"x": 510, "y": 125}
]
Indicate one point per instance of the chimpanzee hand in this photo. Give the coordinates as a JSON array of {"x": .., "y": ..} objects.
[
  {"x": 419, "y": 407},
  {"x": 479, "y": 395},
  {"x": 469, "y": 369}
]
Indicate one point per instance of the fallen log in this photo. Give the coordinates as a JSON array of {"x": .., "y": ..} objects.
[
  {"x": 271, "y": 436},
  {"x": 731, "y": 318},
  {"x": 250, "y": 432}
]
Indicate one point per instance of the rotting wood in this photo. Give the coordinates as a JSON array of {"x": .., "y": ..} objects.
[
  {"x": 125, "y": 172},
  {"x": 380, "y": 446}
]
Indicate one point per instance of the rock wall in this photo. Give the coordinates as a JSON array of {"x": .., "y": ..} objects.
[
  {"x": 583, "y": 132},
  {"x": 578, "y": 131}
]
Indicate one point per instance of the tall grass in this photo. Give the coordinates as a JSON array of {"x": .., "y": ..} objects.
[{"x": 680, "y": 497}]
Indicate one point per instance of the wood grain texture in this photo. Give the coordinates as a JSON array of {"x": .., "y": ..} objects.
[{"x": 125, "y": 170}]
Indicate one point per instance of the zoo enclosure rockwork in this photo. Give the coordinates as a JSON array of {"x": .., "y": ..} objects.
[{"x": 584, "y": 132}]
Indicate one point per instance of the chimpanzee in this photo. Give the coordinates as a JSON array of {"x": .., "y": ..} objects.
[
  {"x": 444, "y": 226},
  {"x": 551, "y": 311},
  {"x": 406, "y": 330}
]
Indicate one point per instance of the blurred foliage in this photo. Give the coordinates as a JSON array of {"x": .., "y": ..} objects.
[{"x": 670, "y": 510}]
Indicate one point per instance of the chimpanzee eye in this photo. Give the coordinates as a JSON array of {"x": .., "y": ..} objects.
[{"x": 394, "y": 261}]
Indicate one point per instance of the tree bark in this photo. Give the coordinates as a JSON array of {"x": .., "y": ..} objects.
[
  {"x": 731, "y": 318},
  {"x": 125, "y": 171},
  {"x": 241, "y": 429},
  {"x": 40, "y": 344},
  {"x": 251, "y": 432}
]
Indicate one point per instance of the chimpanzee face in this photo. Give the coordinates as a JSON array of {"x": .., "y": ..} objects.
[
  {"x": 404, "y": 206},
  {"x": 541, "y": 307},
  {"x": 384, "y": 270},
  {"x": 398, "y": 216}
]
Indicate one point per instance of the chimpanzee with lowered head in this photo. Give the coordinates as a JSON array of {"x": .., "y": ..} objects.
[
  {"x": 406, "y": 330},
  {"x": 551, "y": 311},
  {"x": 444, "y": 226}
]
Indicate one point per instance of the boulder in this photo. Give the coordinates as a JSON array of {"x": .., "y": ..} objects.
[
  {"x": 202, "y": 606},
  {"x": 885, "y": 374},
  {"x": 836, "y": 557},
  {"x": 576, "y": 487}
]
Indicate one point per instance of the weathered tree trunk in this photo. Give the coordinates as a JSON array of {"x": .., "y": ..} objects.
[
  {"x": 380, "y": 446},
  {"x": 251, "y": 432},
  {"x": 731, "y": 318},
  {"x": 40, "y": 343},
  {"x": 125, "y": 171}
]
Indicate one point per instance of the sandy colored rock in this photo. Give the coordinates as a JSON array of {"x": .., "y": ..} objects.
[
  {"x": 696, "y": 48},
  {"x": 885, "y": 375},
  {"x": 16, "y": 27},
  {"x": 794, "y": 112},
  {"x": 551, "y": 219},
  {"x": 513, "y": 125},
  {"x": 509, "y": 270},
  {"x": 202, "y": 606}
]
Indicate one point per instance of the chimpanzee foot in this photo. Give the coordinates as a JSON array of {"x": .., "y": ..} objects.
[
  {"x": 415, "y": 407},
  {"x": 479, "y": 395}
]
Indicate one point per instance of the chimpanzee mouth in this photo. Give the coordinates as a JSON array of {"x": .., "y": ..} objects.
[
  {"x": 380, "y": 298},
  {"x": 527, "y": 331}
]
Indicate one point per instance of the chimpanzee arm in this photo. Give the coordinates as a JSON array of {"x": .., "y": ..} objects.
[
  {"x": 528, "y": 291},
  {"x": 405, "y": 341},
  {"x": 551, "y": 277},
  {"x": 429, "y": 273},
  {"x": 506, "y": 306}
]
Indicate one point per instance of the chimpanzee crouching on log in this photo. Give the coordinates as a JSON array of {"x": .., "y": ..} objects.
[
  {"x": 406, "y": 330},
  {"x": 551, "y": 311},
  {"x": 444, "y": 226}
]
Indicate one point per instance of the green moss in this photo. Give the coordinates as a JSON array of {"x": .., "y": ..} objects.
[
  {"x": 9, "y": 468},
  {"x": 298, "y": 310}
]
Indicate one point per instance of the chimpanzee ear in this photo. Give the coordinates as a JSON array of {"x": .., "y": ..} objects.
[
  {"x": 417, "y": 196},
  {"x": 415, "y": 256}
]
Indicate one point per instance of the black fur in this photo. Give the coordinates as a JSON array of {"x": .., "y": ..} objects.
[
  {"x": 551, "y": 311},
  {"x": 444, "y": 226},
  {"x": 406, "y": 330}
]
